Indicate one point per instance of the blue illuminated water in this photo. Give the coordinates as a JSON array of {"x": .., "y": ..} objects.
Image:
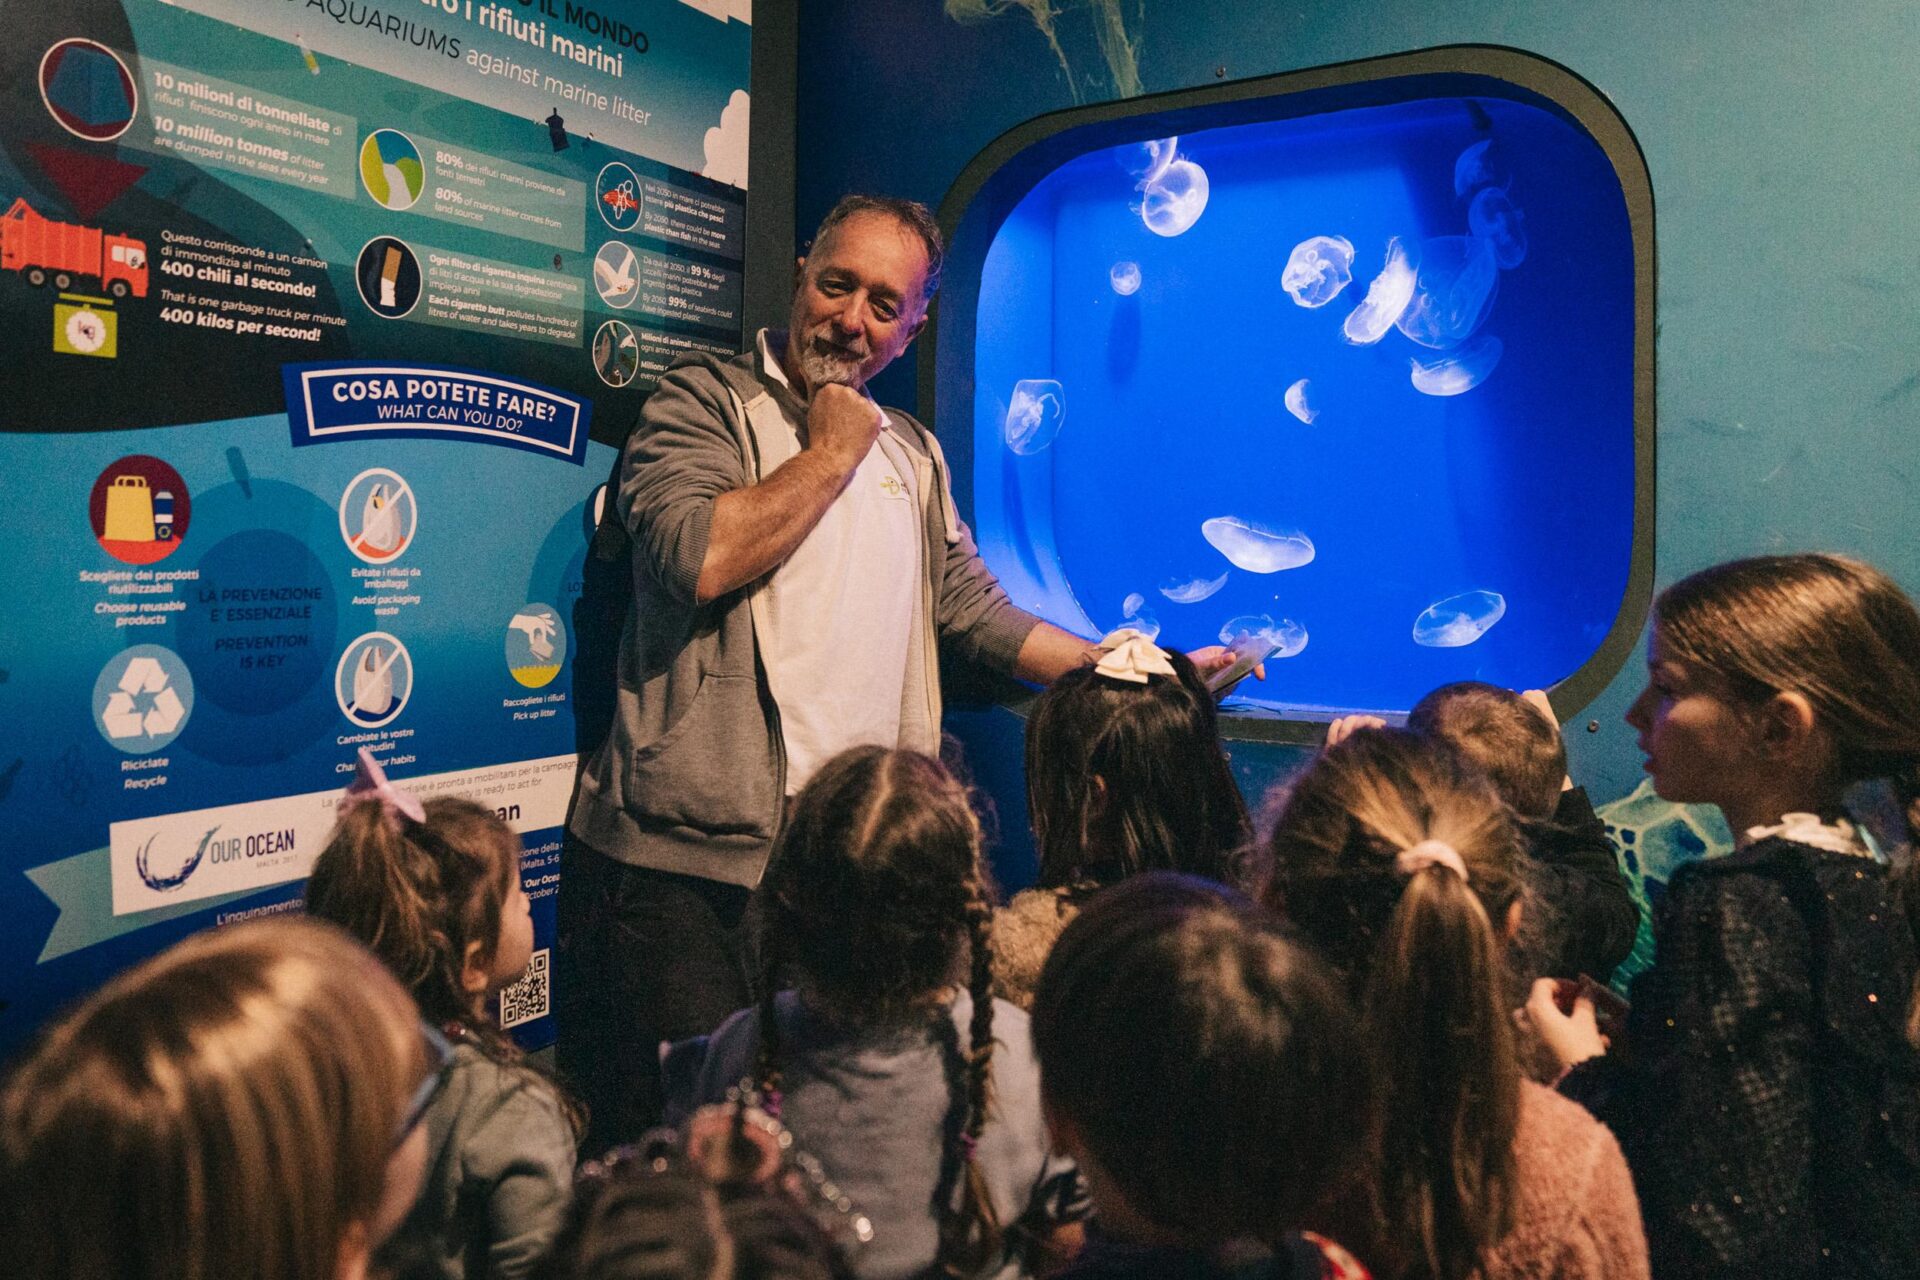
[{"x": 1483, "y": 444}]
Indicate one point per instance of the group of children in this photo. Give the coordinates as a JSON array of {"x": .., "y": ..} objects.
[{"x": 1375, "y": 1041}]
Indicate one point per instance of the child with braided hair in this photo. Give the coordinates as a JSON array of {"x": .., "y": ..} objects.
[
  {"x": 433, "y": 888},
  {"x": 888, "y": 1059}
]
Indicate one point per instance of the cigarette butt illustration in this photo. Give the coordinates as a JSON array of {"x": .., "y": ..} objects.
[{"x": 390, "y": 277}]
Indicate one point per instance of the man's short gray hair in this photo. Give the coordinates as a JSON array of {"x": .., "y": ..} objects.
[{"x": 911, "y": 214}]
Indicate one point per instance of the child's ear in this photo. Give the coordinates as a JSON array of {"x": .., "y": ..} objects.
[
  {"x": 1514, "y": 914},
  {"x": 473, "y": 970},
  {"x": 1787, "y": 724}
]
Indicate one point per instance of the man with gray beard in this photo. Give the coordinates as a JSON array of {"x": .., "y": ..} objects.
[{"x": 797, "y": 563}]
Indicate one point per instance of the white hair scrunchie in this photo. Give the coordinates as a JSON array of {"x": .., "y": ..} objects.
[
  {"x": 1127, "y": 655},
  {"x": 1429, "y": 853}
]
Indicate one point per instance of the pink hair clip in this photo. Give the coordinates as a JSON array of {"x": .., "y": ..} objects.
[{"x": 370, "y": 786}]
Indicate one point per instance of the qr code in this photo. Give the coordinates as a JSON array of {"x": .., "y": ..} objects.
[{"x": 530, "y": 997}]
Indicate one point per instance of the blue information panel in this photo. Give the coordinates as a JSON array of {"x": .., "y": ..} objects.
[{"x": 324, "y": 320}]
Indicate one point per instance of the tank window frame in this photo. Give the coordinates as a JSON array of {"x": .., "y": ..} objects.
[{"x": 995, "y": 181}]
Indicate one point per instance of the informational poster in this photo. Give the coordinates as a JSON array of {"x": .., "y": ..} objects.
[{"x": 322, "y": 320}]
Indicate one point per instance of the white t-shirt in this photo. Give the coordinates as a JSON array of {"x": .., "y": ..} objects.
[{"x": 838, "y": 614}]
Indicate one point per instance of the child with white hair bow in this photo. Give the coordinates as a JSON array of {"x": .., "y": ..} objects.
[{"x": 1125, "y": 774}]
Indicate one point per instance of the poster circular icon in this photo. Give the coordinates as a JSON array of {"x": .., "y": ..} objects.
[
  {"x": 142, "y": 699},
  {"x": 378, "y": 515},
  {"x": 388, "y": 275},
  {"x": 391, "y": 170},
  {"x": 88, "y": 90},
  {"x": 139, "y": 509},
  {"x": 616, "y": 353},
  {"x": 616, "y": 274},
  {"x": 85, "y": 331},
  {"x": 374, "y": 679},
  {"x": 617, "y": 196},
  {"x": 536, "y": 645}
]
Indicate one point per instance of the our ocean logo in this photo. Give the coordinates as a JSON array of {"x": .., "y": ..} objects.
[
  {"x": 142, "y": 863},
  {"x": 260, "y": 845}
]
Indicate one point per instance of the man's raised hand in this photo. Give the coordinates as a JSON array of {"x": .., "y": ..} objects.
[{"x": 843, "y": 424}]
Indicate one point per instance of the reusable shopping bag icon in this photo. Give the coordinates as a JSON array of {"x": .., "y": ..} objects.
[{"x": 129, "y": 510}]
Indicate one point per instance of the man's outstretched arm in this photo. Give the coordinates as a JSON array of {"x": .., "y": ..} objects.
[{"x": 1049, "y": 653}]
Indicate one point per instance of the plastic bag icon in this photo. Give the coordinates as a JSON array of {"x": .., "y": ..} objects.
[
  {"x": 373, "y": 682},
  {"x": 380, "y": 522}
]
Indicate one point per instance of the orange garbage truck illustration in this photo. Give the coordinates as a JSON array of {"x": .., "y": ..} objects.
[{"x": 42, "y": 250}]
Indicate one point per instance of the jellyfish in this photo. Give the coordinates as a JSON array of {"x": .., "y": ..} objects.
[
  {"x": 1297, "y": 403},
  {"x": 1458, "y": 371},
  {"x": 1386, "y": 298},
  {"x": 1148, "y": 161},
  {"x": 1453, "y": 290},
  {"x": 1255, "y": 548},
  {"x": 1480, "y": 165},
  {"x": 1125, "y": 278},
  {"x": 1458, "y": 620},
  {"x": 1495, "y": 218},
  {"x": 1175, "y": 200},
  {"x": 1143, "y": 622},
  {"x": 1318, "y": 269},
  {"x": 1286, "y": 636},
  {"x": 1131, "y": 605},
  {"x": 1191, "y": 590},
  {"x": 1034, "y": 414}
]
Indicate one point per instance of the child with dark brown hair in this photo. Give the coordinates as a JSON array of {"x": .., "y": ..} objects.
[
  {"x": 889, "y": 1061},
  {"x": 434, "y": 889},
  {"x": 1400, "y": 864},
  {"x": 1206, "y": 1074},
  {"x": 648, "y": 1213},
  {"x": 1767, "y": 1091},
  {"x": 1125, "y": 774},
  {"x": 1584, "y": 917}
]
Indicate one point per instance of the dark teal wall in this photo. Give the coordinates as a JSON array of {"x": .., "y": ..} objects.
[{"x": 1784, "y": 146}]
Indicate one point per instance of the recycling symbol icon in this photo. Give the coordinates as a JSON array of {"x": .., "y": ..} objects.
[{"x": 143, "y": 698}]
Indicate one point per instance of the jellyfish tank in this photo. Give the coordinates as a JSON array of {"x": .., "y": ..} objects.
[{"x": 1357, "y": 360}]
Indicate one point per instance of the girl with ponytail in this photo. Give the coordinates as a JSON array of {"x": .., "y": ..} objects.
[
  {"x": 1768, "y": 1088},
  {"x": 889, "y": 1060},
  {"x": 1400, "y": 867},
  {"x": 434, "y": 890}
]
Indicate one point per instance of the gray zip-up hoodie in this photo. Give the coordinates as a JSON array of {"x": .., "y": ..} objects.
[{"x": 692, "y": 775}]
